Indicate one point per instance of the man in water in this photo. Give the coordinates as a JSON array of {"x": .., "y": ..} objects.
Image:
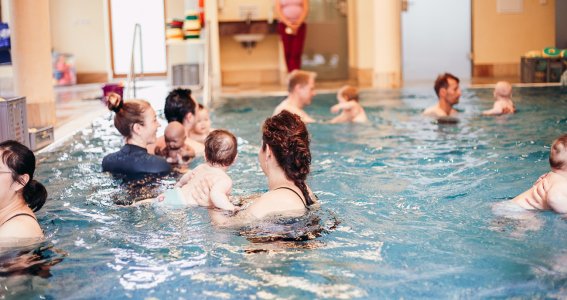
[
  {"x": 301, "y": 88},
  {"x": 448, "y": 92}
]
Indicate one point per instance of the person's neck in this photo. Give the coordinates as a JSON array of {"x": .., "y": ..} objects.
[
  {"x": 444, "y": 106},
  {"x": 136, "y": 141},
  {"x": 11, "y": 202},
  {"x": 295, "y": 101},
  {"x": 560, "y": 172},
  {"x": 278, "y": 179},
  {"x": 217, "y": 166}
]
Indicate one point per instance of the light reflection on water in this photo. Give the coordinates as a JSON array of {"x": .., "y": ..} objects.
[{"x": 413, "y": 200}]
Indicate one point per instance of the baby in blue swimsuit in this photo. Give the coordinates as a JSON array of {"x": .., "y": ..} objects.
[{"x": 208, "y": 184}]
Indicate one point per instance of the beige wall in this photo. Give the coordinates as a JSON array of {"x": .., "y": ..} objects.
[
  {"x": 503, "y": 38},
  {"x": 78, "y": 27},
  {"x": 231, "y": 11},
  {"x": 261, "y": 65}
]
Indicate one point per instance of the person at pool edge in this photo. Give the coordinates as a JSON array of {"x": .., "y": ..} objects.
[
  {"x": 285, "y": 160},
  {"x": 448, "y": 94},
  {"x": 549, "y": 192},
  {"x": 136, "y": 121},
  {"x": 20, "y": 195},
  {"x": 301, "y": 89}
]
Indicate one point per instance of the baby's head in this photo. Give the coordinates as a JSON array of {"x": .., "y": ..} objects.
[
  {"x": 220, "y": 148},
  {"x": 174, "y": 135},
  {"x": 558, "y": 153},
  {"x": 347, "y": 93},
  {"x": 203, "y": 122},
  {"x": 503, "y": 89}
]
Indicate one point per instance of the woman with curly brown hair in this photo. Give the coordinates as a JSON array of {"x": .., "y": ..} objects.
[{"x": 285, "y": 159}]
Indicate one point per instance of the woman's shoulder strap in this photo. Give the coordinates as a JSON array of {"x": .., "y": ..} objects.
[{"x": 298, "y": 195}]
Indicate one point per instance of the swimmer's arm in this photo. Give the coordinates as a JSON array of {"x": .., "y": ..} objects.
[
  {"x": 342, "y": 118},
  {"x": 219, "y": 192},
  {"x": 496, "y": 110},
  {"x": 159, "y": 198},
  {"x": 557, "y": 199},
  {"x": 222, "y": 219},
  {"x": 185, "y": 178},
  {"x": 306, "y": 118},
  {"x": 344, "y": 106}
]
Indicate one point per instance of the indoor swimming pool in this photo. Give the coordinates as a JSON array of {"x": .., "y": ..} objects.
[{"x": 406, "y": 211}]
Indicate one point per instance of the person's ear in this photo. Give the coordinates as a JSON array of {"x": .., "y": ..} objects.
[
  {"x": 22, "y": 181},
  {"x": 136, "y": 128},
  {"x": 442, "y": 92},
  {"x": 268, "y": 152}
]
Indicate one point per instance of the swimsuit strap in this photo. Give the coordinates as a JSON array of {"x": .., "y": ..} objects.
[
  {"x": 288, "y": 188},
  {"x": 17, "y": 215}
]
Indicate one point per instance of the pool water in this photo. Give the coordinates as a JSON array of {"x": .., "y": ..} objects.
[{"x": 413, "y": 201}]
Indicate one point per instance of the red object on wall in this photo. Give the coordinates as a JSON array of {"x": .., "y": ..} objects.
[{"x": 202, "y": 12}]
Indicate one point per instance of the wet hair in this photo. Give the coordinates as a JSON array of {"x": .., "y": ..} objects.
[
  {"x": 350, "y": 93},
  {"x": 21, "y": 160},
  {"x": 558, "y": 153},
  {"x": 128, "y": 113},
  {"x": 442, "y": 82},
  {"x": 178, "y": 104},
  {"x": 221, "y": 147},
  {"x": 288, "y": 138},
  {"x": 299, "y": 77}
]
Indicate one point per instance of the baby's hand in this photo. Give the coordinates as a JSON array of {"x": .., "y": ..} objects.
[
  {"x": 160, "y": 198},
  {"x": 335, "y": 108}
]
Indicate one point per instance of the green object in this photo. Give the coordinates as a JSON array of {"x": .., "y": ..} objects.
[{"x": 551, "y": 52}]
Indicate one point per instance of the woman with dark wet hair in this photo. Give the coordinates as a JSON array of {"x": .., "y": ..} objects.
[
  {"x": 136, "y": 121},
  {"x": 20, "y": 194},
  {"x": 285, "y": 159}
]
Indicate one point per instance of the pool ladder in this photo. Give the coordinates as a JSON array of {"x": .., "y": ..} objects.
[{"x": 131, "y": 80}]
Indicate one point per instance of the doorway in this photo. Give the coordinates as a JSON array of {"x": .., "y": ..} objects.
[
  {"x": 124, "y": 15},
  {"x": 326, "y": 43},
  {"x": 436, "y": 38}
]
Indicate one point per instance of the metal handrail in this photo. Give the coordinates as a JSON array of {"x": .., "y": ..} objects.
[{"x": 131, "y": 80}]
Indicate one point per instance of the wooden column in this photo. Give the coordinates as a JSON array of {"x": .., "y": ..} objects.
[
  {"x": 31, "y": 59},
  {"x": 387, "y": 44}
]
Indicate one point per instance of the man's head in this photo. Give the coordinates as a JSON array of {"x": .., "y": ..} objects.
[
  {"x": 558, "y": 153},
  {"x": 348, "y": 93},
  {"x": 503, "y": 89},
  {"x": 447, "y": 88},
  {"x": 302, "y": 85},
  {"x": 221, "y": 148},
  {"x": 180, "y": 107},
  {"x": 174, "y": 135}
]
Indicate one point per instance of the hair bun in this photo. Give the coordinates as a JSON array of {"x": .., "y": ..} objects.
[
  {"x": 35, "y": 194},
  {"x": 114, "y": 102}
]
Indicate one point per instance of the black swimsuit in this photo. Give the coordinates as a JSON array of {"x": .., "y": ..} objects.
[
  {"x": 300, "y": 198},
  {"x": 132, "y": 159},
  {"x": 17, "y": 215}
]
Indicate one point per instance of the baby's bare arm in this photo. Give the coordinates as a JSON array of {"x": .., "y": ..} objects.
[{"x": 219, "y": 193}]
